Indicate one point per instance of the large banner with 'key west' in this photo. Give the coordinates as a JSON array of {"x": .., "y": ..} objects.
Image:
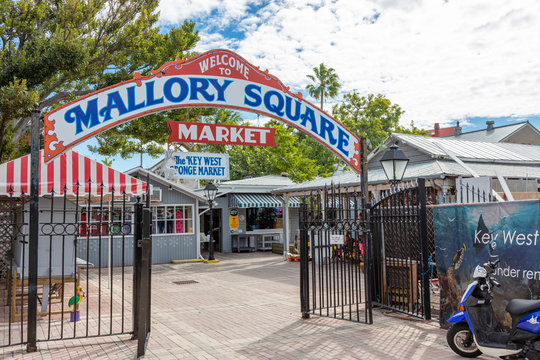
[{"x": 463, "y": 234}]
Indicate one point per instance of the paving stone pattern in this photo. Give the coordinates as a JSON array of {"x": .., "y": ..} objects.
[{"x": 247, "y": 307}]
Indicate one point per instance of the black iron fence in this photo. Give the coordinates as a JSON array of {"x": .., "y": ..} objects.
[
  {"x": 76, "y": 298},
  {"x": 401, "y": 252},
  {"x": 335, "y": 243},
  {"x": 466, "y": 194},
  {"x": 396, "y": 229}
]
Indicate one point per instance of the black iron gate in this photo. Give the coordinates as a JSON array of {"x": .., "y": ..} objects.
[
  {"x": 47, "y": 239},
  {"x": 400, "y": 250},
  {"x": 334, "y": 252},
  {"x": 93, "y": 266}
]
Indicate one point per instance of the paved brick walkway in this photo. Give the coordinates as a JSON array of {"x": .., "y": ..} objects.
[{"x": 247, "y": 307}]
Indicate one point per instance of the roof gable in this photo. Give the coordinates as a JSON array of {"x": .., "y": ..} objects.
[
  {"x": 501, "y": 134},
  {"x": 178, "y": 187},
  {"x": 527, "y": 135}
]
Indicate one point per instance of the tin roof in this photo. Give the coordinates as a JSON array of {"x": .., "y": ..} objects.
[
  {"x": 495, "y": 135},
  {"x": 345, "y": 179},
  {"x": 471, "y": 150},
  {"x": 256, "y": 185},
  {"x": 433, "y": 169},
  {"x": 511, "y": 160},
  {"x": 268, "y": 180}
]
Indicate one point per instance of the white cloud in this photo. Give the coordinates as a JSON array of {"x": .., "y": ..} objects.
[
  {"x": 438, "y": 60},
  {"x": 215, "y": 41},
  {"x": 176, "y": 11}
]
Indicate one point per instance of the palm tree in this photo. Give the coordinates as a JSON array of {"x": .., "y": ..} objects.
[{"x": 325, "y": 83}]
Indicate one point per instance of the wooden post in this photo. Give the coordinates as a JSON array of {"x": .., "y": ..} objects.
[{"x": 368, "y": 248}]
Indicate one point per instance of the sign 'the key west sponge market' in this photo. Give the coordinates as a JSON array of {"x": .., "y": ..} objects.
[{"x": 217, "y": 78}]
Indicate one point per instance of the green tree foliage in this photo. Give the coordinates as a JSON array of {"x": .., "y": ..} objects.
[
  {"x": 290, "y": 156},
  {"x": 325, "y": 83},
  {"x": 54, "y": 51},
  {"x": 15, "y": 102},
  {"x": 147, "y": 135},
  {"x": 326, "y": 161},
  {"x": 373, "y": 117}
]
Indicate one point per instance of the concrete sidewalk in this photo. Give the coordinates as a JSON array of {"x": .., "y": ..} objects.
[{"x": 247, "y": 307}]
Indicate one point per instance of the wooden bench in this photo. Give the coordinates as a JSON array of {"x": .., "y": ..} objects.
[{"x": 13, "y": 283}]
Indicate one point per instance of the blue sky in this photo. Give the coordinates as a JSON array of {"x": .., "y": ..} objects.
[{"x": 441, "y": 61}]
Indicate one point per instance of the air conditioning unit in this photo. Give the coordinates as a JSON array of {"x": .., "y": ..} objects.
[{"x": 155, "y": 195}]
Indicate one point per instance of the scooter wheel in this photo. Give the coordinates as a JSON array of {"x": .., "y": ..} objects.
[{"x": 460, "y": 339}]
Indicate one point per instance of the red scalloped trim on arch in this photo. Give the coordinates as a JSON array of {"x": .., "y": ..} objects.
[{"x": 356, "y": 159}]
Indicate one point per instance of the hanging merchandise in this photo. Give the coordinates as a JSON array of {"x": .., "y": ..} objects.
[{"x": 179, "y": 222}]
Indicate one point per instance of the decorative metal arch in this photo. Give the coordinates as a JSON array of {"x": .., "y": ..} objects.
[{"x": 217, "y": 78}]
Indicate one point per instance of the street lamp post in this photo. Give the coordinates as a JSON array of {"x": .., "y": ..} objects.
[
  {"x": 394, "y": 163},
  {"x": 210, "y": 191}
]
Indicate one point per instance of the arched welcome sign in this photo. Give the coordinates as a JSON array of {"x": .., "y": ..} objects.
[{"x": 217, "y": 78}]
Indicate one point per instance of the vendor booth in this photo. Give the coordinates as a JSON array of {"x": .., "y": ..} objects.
[
  {"x": 252, "y": 217},
  {"x": 263, "y": 221},
  {"x": 85, "y": 220},
  {"x": 175, "y": 224},
  {"x": 78, "y": 197}
]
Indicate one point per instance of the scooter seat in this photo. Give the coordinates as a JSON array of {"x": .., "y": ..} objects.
[{"x": 521, "y": 306}]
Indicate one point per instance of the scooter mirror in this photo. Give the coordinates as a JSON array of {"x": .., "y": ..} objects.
[{"x": 479, "y": 272}]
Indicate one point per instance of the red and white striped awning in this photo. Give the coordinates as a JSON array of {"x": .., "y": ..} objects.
[{"x": 64, "y": 173}]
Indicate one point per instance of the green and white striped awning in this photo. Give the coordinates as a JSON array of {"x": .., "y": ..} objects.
[
  {"x": 294, "y": 202},
  {"x": 260, "y": 201}
]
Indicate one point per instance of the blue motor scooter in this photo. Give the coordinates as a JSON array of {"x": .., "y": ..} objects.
[{"x": 475, "y": 330}]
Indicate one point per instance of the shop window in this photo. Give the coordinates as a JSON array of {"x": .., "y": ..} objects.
[
  {"x": 264, "y": 218},
  {"x": 172, "y": 219},
  {"x": 102, "y": 221}
]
